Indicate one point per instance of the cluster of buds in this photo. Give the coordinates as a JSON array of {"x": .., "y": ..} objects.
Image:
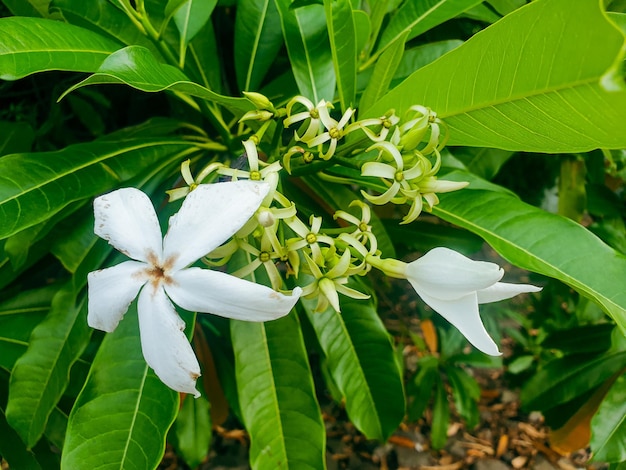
[{"x": 403, "y": 155}]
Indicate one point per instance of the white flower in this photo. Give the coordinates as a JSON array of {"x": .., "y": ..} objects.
[
  {"x": 453, "y": 286},
  {"x": 208, "y": 217}
]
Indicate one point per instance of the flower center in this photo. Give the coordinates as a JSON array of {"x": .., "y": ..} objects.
[
  {"x": 264, "y": 257},
  {"x": 314, "y": 113},
  {"x": 334, "y": 133},
  {"x": 399, "y": 176},
  {"x": 311, "y": 238},
  {"x": 255, "y": 175}
]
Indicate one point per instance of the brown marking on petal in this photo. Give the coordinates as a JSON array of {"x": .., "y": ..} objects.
[
  {"x": 274, "y": 295},
  {"x": 194, "y": 375}
]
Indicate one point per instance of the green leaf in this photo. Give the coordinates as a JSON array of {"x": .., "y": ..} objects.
[
  {"x": 384, "y": 71},
  {"x": 41, "y": 374},
  {"x": 566, "y": 378},
  {"x": 205, "y": 63},
  {"x": 121, "y": 417},
  {"x": 15, "y": 137},
  {"x": 420, "y": 389},
  {"x": 608, "y": 426},
  {"x": 258, "y": 39},
  {"x": 420, "y": 56},
  {"x": 343, "y": 44},
  {"x": 19, "y": 315},
  {"x": 483, "y": 162},
  {"x": 102, "y": 17},
  {"x": 466, "y": 393},
  {"x": 588, "y": 265},
  {"x": 277, "y": 396},
  {"x": 31, "y": 45},
  {"x": 191, "y": 16},
  {"x": 35, "y": 186},
  {"x": 304, "y": 30},
  {"x": 361, "y": 360},
  {"x": 12, "y": 448},
  {"x": 193, "y": 430},
  {"x": 415, "y": 17},
  {"x": 549, "y": 95},
  {"x": 135, "y": 66},
  {"x": 441, "y": 418},
  {"x": 35, "y": 8}
]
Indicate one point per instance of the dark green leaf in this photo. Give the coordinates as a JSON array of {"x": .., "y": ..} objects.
[
  {"x": 568, "y": 101},
  {"x": 608, "y": 426},
  {"x": 362, "y": 363},
  {"x": 193, "y": 430},
  {"x": 343, "y": 46},
  {"x": 121, "y": 417},
  {"x": 441, "y": 418},
  {"x": 31, "y": 45},
  {"x": 135, "y": 66},
  {"x": 466, "y": 393},
  {"x": 190, "y": 18},
  {"x": 257, "y": 41},
  {"x": 277, "y": 395},
  {"x": 35, "y": 186},
  {"x": 304, "y": 30},
  {"x": 15, "y": 137}
]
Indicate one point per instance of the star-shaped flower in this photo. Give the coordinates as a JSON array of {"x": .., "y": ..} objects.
[{"x": 159, "y": 272}]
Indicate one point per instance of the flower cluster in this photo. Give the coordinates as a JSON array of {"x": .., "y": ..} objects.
[{"x": 251, "y": 215}]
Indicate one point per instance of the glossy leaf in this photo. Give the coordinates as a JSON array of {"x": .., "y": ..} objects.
[
  {"x": 121, "y": 417},
  {"x": 608, "y": 426},
  {"x": 258, "y": 38},
  {"x": 102, "y": 17},
  {"x": 440, "y": 417},
  {"x": 13, "y": 450},
  {"x": 384, "y": 71},
  {"x": 135, "y": 66},
  {"x": 420, "y": 56},
  {"x": 566, "y": 378},
  {"x": 31, "y": 45},
  {"x": 343, "y": 46},
  {"x": 40, "y": 375},
  {"x": 35, "y": 186},
  {"x": 193, "y": 430},
  {"x": 502, "y": 220},
  {"x": 190, "y": 18},
  {"x": 415, "y": 17},
  {"x": 277, "y": 396},
  {"x": 361, "y": 361},
  {"x": 304, "y": 30},
  {"x": 523, "y": 84}
]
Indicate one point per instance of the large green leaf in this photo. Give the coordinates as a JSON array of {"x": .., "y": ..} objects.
[
  {"x": 343, "y": 46},
  {"x": 257, "y": 41},
  {"x": 608, "y": 426},
  {"x": 135, "y": 66},
  {"x": 41, "y": 374},
  {"x": 121, "y": 417},
  {"x": 35, "y": 186},
  {"x": 304, "y": 30},
  {"x": 544, "y": 78},
  {"x": 190, "y": 18},
  {"x": 362, "y": 363},
  {"x": 544, "y": 243},
  {"x": 102, "y": 17},
  {"x": 30, "y": 45},
  {"x": 277, "y": 396},
  {"x": 16, "y": 137},
  {"x": 415, "y": 17},
  {"x": 384, "y": 71}
]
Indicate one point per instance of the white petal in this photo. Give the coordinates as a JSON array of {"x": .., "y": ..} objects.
[
  {"x": 446, "y": 274},
  {"x": 502, "y": 290},
  {"x": 462, "y": 313},
  {"x": 210, "y": 215},
  {"x": 126, "y": 219},
  {"x": 163, "y": 342},
  {"x": 206, "y": 291},
  {"x": 111, "y": 291}
]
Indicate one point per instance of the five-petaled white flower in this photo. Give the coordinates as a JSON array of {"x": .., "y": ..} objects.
[
  {"x": 453, "y": 286},
  {"x": 159, "y": 272}
]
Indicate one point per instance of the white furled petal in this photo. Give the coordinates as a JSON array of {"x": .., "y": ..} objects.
[
  {"x": 210, "y": 214},
  {"x": 163, "y": 342},
  {"x": 462, "y": 313},
  {"x": 446, "y": 274},
  {"x": 206, "y": 291},
  {"x": 503, "y": 290},
  {"x": 126, "y": 219},
  {"x": 111, "y": 291}
]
